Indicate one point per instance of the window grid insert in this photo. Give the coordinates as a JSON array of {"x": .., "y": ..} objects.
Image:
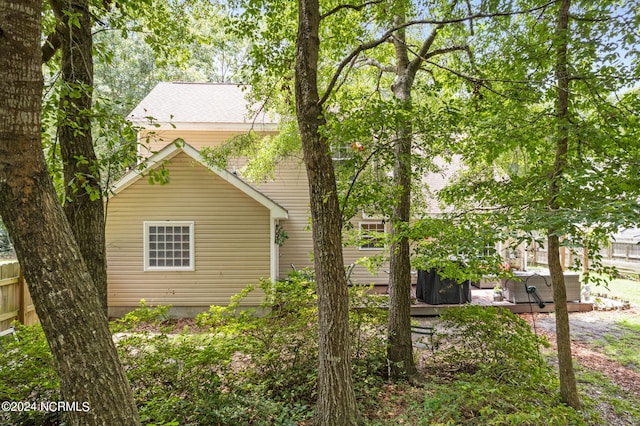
[
  {"x": 169, "y": 245},
  {"x": 371, "y": 235}
]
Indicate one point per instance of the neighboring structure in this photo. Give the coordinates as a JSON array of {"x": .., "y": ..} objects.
[
  {"x": 204, "y": 235},
  {"x": 622, "y": 252}
]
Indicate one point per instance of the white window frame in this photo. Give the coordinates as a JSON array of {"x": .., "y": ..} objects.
[
  {"x": 342, "y": 152},
  {"x": 363, "y": 235},
  {"x": 147, "y": 257}
]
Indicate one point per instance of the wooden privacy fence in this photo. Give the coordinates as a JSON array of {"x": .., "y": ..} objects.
[{"x": 15, "y": 301}]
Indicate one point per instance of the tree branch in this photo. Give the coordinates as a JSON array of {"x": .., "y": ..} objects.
[
  {"x": 363, "y": 47},
  {"x": 54, "y": 40},
  {"x": 445, "y": 50},
  {"x": 377, "y": 64},
  {"x": 364, "y": 164},
  {"x": 358, "y": 7},
  {"x": 424, "y": 50},
  {"x": 52, "y": 44},
  {"x": 384, "y": 37}
]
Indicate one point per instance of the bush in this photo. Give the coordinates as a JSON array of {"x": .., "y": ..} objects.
[
  {"x": 493, "y": 342},
  {"x": 261, "y": 370},
  {"x": 368, "y": 327},
  {"x": 187, "y": 379},
  {"x": 279, "y": 345},
  {"x": 142, "y": 315},
  {"x": 488, "y": 370}
]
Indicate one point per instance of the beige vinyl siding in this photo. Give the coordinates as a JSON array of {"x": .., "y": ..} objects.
[
  {"x": 232, "y": 239},
  {"x": 290, "y": 189},
  {"x": 154, "y": 140},
  {"x": 360, "y": 273}
]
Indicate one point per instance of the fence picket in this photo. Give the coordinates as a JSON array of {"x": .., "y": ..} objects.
[{"x": 15, "y": 301}]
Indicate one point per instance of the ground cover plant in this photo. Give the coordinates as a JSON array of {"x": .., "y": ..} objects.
[{"x": 233, "y": 367}]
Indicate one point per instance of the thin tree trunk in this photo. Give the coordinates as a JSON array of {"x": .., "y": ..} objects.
[
  {"x": 83, "y": 204},
  {"x": 58, "y": 280},
  {"x": 568, "y": 388},
  {"x": 400, "y": 348},
  {"x": 336, "y": 398}
]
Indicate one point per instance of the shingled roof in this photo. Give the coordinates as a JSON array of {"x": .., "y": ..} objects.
[{"x": 189, "y": 103}]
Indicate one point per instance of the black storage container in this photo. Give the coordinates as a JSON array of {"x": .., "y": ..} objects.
[{"x": 431, "y": 288}]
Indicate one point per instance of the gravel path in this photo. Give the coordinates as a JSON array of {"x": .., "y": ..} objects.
[{"x": 587, "y": 327}]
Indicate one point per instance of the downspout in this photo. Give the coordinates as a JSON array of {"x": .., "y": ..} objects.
[{"x": 274, "y": 249}]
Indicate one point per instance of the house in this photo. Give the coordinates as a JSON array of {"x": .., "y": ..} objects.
[{"x": 204, "y": 235}]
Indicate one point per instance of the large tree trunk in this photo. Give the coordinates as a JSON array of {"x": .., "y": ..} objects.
[
  {"x": 336, "y": 398},
  {"x": 83, "y": 202},
  {"x": 568, "y": 389},
  {"x": 60, "y": 285}
]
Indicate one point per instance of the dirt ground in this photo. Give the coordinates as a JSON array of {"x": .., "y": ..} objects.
[{"x": 587, "y": 327}]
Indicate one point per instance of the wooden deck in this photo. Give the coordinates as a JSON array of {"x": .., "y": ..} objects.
[{"x": 484, "y": 297}]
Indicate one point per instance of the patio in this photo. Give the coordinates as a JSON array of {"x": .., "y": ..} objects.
[{"x": 484, "y": 297}]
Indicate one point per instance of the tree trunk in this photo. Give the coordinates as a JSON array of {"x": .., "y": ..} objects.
[
  {"x": 58, "y": 280},
  {"x": 336, "y": 398},
  {"x": 400, "y": 350},
  {"x": 83, "y": 204},
  {"x": 568, "y": 389}
]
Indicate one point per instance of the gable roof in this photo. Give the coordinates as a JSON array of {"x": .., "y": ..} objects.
[
  {"x": 173, "y": 149},
  {"x": 219, "y": 106}
]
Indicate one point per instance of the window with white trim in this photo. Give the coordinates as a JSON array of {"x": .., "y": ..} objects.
[
  {"x": 168, "y": 246},
  {"x": 372, "y": 235}
]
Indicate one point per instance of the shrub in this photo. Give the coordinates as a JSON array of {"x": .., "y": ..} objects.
[
  {"x": 280, "y": 344},
  {"x": 181, "y": 378},
  {"x": 143, "y": 314},
  {"x": 493, "y": 342},
  {"x": 368, "y": 327}
]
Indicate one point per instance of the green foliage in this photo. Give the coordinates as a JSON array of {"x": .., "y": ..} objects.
[
  {"x": 280, "y": 343},
  {"x": 143, "y": 314},
  {"x": 493, "y": 374},
  {"x": 600, "y": 392},
  {"x": 492, "y": 342},
  {"x": 460, "y": 248},
  {"x": 28, "y": 374},
  {"x": 281, "y": 235},
  {"x": 368, "y": 331},
  {"x": 481, "y": 401},
  {"x": 251, "y": 369},
  {"x": 187, "y": 379},
  {"x": 263, "y": 153},
  {"x": 508, "y": 139},
  {"x": 622, "y": 344}
]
